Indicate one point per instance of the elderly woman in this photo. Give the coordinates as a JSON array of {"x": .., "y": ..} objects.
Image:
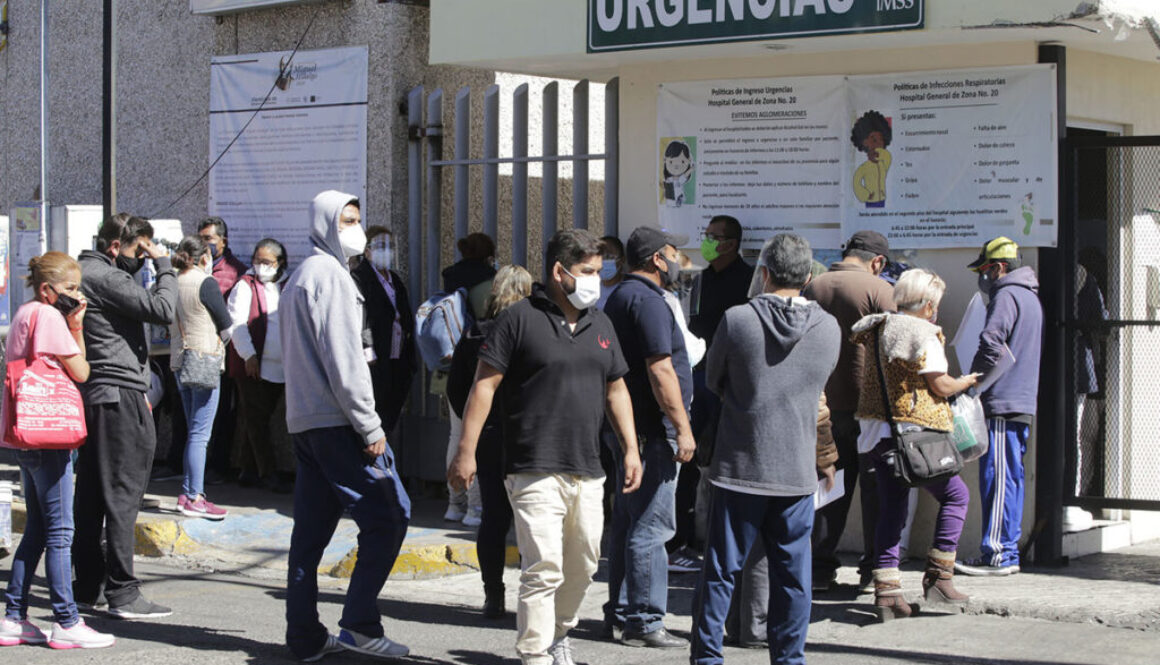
[{"x": 908, "y": 346}]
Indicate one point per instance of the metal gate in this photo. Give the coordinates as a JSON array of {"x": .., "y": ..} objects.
[
  {"x": 430, "y": 214},
  {"x": 1113, "y": 293}
]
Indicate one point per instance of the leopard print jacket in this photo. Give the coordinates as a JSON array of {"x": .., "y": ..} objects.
[{"x": 910, "y": 398}]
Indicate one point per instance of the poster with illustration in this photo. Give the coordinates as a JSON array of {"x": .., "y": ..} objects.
[
  {"x": 871, "y": 135},
  {"x": 678, "y": 182}
]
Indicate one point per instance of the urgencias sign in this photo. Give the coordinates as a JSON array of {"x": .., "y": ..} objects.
[{"x": 617, "y": 25}]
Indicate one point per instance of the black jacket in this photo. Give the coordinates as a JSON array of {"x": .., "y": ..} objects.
[
  {"x": 115, "y": 343},
  {"x": 391, "y": 378}
]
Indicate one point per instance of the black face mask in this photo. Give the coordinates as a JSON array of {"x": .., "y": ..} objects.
[
  {"x": 65, "y": 303},
  {"x": 130, "y": 264}
]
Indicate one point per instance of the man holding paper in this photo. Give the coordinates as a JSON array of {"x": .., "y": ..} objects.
[{"x": 1008, "y": 360}]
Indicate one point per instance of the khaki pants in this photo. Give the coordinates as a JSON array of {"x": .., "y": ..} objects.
[{"x": 559, "y": 520}]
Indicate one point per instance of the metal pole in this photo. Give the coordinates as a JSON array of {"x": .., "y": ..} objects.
[
  {"x": 612, "y": 158},
  {"x": 43, "y": 124},
  {"x": 580, "y": 147},
  {"x": 109, "y": 110},
  {"x": 551, "y": 148}
]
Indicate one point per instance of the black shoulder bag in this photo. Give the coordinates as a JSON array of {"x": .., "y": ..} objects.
[{"x": 919, "y": 457}]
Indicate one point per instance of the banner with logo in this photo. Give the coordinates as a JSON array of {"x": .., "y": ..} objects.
[
  {"x": 930, "y": 160},
  {"x": 310, "y": 136}
]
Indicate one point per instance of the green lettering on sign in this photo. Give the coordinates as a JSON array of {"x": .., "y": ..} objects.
[{"x": 618, "y": 25}]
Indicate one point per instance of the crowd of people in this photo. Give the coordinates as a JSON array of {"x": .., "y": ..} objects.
[{"x": 581, "y": 404}]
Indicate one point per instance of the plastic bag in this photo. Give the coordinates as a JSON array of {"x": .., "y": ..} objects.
[{"x": 970, "y": 433}]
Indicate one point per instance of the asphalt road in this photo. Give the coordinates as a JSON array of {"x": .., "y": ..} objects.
[{"x": 238, "y": 619}]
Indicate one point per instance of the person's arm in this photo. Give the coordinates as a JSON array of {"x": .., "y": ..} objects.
[
  {"x": 461, "y": 473},
  {"x": 211, "y": 297},
  {"x": 827, "y": 451},
  {"x": 618, "y": 407},
  {"x": 666, "y": 388},
  {"x": 1002, "y": 314},
  {"x": 77, "y": 365},
  {"x": 943, "y": 385},
  {"x": 125, "y": 296}
]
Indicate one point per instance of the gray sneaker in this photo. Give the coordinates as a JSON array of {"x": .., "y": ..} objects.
[
  {"x": 561, "y": 652},
  {"x": 983, "y": 567},
  {"x": 332, "y": 645},
  {"x": 380, "y": 647},
  {"x": 140, "y": 608}
]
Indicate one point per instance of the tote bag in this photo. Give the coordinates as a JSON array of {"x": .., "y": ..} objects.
[{"x": 43, "y": 409}]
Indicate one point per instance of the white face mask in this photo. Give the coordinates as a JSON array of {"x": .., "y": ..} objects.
[
  {"x": 587, "y": 290},
  {"x": 353, "y": 241},
  {"x": 381, "y": 258},
  {"x": 266, "y": 273}
]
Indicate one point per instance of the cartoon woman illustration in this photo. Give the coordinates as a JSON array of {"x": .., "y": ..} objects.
[
  {"x": 677, "y": 170},
  {"x": 871, "y": 135}
]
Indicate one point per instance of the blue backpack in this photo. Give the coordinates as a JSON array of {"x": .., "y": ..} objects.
[{"x": 439, "y": 323}]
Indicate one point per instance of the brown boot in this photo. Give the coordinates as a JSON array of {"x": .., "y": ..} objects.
[
  {"x": 889, "y": 602},
  {"x": 937, "y": 583}
]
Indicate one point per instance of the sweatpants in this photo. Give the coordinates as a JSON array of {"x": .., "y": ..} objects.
[{"x": 1001, "y": 487}]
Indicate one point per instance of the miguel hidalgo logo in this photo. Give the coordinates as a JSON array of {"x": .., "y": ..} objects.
[{"x": 603, "y": 341}]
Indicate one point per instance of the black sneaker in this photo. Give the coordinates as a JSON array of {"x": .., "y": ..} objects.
[
  {"x": 657, "y": 639},
  {"x": 140, "y": 608}
]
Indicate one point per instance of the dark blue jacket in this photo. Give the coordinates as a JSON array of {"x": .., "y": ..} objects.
[{"x": 1014, "y": 319}]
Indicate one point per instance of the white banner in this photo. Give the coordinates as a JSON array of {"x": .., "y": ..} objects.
[
  {"x": 968, "y": 155},
  {"x": 766, "y": 151},
  {"x": 931, "y": 160},
  {"x": 310, "y": 136}
]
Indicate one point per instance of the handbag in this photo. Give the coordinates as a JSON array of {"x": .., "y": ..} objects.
[
  {"x": 199, "y": 369},
  {"x": 918, "y": 457},
  {"x": 43, "y": 409}
]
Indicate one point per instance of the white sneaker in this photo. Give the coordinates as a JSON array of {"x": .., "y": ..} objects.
[
  {"x": 473, "y": 518},
  {"x": 455, "y": 513},
  {"x": 561, "y": 652},
  {"x": 380, "y": 647},
  {"x": 79, "y": 636},
  {"x": 1076, "y": 519},
  {"x": 13, "y": 633}
]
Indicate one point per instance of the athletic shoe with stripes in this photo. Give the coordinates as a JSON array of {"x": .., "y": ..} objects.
[
  {"x": 13, "y": 633},
  {"x": 983, "y": 566},
  {"x": 79, "y": 636},
  {"x": 379, "y": 647},
  {"x": 332, "y": 645}
]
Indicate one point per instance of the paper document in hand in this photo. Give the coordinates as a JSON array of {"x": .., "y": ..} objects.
[
  {"x": 824, "y": 498},
  {"x": 1006, "y": 361},
  {"x": 966, "y": 341}
]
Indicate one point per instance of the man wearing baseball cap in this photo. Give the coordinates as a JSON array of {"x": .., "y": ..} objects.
[
  {"x": 1014, "y": 328},
  {"x": 660, "y": 383},
  {"x": 850, "y": 290}
]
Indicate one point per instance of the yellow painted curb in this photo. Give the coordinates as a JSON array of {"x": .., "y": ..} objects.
[
  {"x": 156, "y": 538},
  {"x": 424, "y": 562}
]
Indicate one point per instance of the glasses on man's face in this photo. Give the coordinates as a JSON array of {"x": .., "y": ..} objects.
[{"x": 705, "y": 235}]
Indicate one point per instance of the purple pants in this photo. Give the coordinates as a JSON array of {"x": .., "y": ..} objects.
[{"x": 952, "y": 496}]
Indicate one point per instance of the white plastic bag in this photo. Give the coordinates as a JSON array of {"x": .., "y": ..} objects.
[{"x": 970, "y": 433}]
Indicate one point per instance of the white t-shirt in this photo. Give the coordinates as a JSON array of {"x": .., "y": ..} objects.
[{"x": 874, "y": 430}]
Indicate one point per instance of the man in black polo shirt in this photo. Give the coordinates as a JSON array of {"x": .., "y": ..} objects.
[
  {"x": 660, "y": 382},
  {"x": 557, "y": 366},
  {"x": 723, "y": 284}
]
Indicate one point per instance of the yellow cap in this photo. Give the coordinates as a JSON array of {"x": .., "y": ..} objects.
[{"x": 999, "y": 249}]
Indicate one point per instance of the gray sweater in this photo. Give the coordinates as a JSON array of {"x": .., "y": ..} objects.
[
  {"x": 769, "y": 362},
  {"x": 328, "y": 382}
]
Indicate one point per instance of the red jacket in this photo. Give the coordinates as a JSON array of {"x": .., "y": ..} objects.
[{"x": 227, "y": 270}]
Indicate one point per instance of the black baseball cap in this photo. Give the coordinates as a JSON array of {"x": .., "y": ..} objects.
[
  {"x": 648, "y": 240},
  {"x": 869, "y": 241}
]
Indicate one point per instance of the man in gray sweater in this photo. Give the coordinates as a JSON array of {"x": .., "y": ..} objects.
[
  {"x": 769, "y": 362},
  {"x": 344, "y": 463}
]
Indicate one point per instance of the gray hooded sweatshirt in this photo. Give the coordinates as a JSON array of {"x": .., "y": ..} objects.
[
  {"x": 328, "y": 382},
  {"x": 769, "y": 362}
]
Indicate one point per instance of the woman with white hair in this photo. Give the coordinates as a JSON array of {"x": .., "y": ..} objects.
[{"x": 909, "y": 348}]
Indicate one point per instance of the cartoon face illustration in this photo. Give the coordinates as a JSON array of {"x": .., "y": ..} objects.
[
  {"x": 677, "y": 172},
  {"x": 678, "y": 164},
  {"x": 871, "y": 144},
  {"x": 871, "y": 134}
]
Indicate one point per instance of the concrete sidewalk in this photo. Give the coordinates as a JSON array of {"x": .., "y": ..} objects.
[
  {"x": 1120, "y": 588},
  {"x": 255, "y": 536}
]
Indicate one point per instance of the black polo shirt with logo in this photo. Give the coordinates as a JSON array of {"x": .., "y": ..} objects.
[{"x": 554, "y": 385}]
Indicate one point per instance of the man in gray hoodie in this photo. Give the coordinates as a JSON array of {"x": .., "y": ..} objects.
[
  {"x": 769, "y": 362},
  {"x": 344, "y": 463}
]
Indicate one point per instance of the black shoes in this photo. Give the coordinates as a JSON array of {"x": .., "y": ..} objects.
[
  {"x": 657, "y": 639},
  {"x": 493, "y": 606}
]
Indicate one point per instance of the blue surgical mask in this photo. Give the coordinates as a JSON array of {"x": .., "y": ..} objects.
[{"x": 608, "y": 269}]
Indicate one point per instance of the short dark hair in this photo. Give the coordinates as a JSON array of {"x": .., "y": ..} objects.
[
  {"x": 189, "y": 252},
  {"x": 788, "y": 259},
  {"x": 611, "y": 243},
  {"x": 218, "y": 223},
  {"x": 376, "y": 231},
  {"x": 732, "y": 226},
  {"x": 570, "y": 247},
  {"x": 124, "y": 227},
  {"x": 476, "y": 246},
  {"x": 871, "y": 121}
]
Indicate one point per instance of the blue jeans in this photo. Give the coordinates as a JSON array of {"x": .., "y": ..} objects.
[
  {"x": 334, "y": 475},
  {"x": 48, "y": 492},
  {"x": 642, "y": 522},
  {"x": 736, "y": 521},
  {"x": 200, "y": 406}
]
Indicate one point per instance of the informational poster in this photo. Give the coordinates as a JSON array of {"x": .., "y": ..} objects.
[
  {"x": 25, "y": 238},
  {"x": 766, "y": 151},
  {"x": 955, "y": 158},
  {"x": 930, "y": 160},
  {"x": 310, "y": 136}
]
